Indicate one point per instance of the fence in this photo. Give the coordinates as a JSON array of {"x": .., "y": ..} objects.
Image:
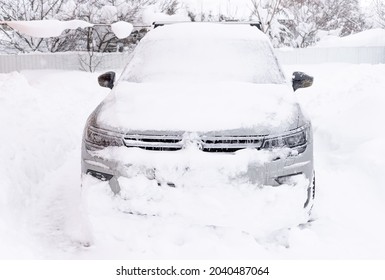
[
  {"x": 371, "y": 55},
  {"x": 82, "y": 61},
  {"x": 62, "y": 61}
]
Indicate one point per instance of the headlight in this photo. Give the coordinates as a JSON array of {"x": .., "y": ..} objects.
[
  {"x": 297, "y": 140},
  {"x": 101, "y": 138}
]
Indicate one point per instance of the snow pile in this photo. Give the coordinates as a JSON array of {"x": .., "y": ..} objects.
[
  {"x": 346, "y": 108},
  {"x": 122, "y": 29},
  {"x": 41, "y": 132},
  {"x": 46, "y": 28},
  {"x": 219, "y": 190},
  {"x": 161, "y": 221},
  {"x": 368, "y": 38},
  {"x": 201, "y": 189}
]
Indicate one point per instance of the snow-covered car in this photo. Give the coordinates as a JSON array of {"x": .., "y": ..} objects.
[{"x": 202, "y": 98}]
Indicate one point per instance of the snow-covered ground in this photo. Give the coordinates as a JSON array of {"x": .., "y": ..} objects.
[{"x": 45, "y": 214}]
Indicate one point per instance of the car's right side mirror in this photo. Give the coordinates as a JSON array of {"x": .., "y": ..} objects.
[
  {"x": 301, "y": 80},
  {"x": 107, "y": 79}
]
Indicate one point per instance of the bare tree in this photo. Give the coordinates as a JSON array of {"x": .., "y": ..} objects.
[
  {"x": 378, "y": 7},
  {"x": 345, "y": 15},
  {"x": 305, "y": 18},
  {"x": 169, "y": 7},
  {"x": 101, "y": 38},
  {"x": 90, "y": 61},
  {"x": 107, "y": 11},
  {"x": 266, "y": 12}
]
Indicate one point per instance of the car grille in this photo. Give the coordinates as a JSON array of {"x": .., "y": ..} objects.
[{"x": 205, "y": 143}]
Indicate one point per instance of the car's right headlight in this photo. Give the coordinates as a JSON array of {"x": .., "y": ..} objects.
[
  {"x": 101, "y": 138},
  {"x": 296, "y": 140}
]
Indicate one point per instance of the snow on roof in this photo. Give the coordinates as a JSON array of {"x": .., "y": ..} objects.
[
  {"x": 54, "y": 28},
  {"x": 368, "y": 38},
  {"x": 201, "y": 30},
  {"x": 204, "y": 52},
  {"x": 46, "y": 28}
]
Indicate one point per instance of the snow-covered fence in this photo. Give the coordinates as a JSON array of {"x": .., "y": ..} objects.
[
  {"x": 62, "y": 61},
  {"x": 371, "y": 55},
  {"x": 72, "y": 60}
]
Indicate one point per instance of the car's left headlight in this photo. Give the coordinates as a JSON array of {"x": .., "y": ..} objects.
[
  {"x": 100, "y": 138},
  {"x": 298, "y": 140}
]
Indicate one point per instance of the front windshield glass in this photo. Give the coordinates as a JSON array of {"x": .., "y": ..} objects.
[{"x": 209, "y": 59}]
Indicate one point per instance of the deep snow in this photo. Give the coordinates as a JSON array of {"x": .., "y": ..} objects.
[{"x": 45, "y": 214}]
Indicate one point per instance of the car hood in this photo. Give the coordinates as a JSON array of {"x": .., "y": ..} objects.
[{"x": 200, "y": 107}]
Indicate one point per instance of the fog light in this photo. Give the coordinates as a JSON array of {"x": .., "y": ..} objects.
[
  {"x": 288, "y": 179},
  {"x": 99, "y": 175}
]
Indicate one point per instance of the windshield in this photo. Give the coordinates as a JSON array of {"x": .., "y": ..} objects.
[{"x": 208, "y": 59}]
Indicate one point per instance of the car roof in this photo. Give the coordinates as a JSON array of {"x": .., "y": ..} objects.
[
  {"x": 206, "y": 30},
  {"x": 257, "y": 24}
]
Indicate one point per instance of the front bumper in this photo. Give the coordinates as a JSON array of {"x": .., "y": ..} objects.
[{"x": 175, "y": 167}]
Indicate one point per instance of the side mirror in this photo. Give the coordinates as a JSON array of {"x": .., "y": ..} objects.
[
  {"x": 107, "y": 79},
  {"x": 301, "y": 80}
]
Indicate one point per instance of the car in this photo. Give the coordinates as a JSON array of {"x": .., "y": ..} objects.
[{"x": 215, "y": 90}]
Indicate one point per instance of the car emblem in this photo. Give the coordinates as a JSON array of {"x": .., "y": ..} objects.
[{"x": 192, "y": 140}]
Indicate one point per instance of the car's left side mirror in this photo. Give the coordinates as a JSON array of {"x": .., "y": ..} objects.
[
  {"x": 301, "y": 80},
  {"x": 107, "y": 79}
]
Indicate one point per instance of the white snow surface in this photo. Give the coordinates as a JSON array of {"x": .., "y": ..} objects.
[
  {"x": 211, "y": 191},
  {"x": 122, "y": 29},
  {"x": 206, "y": 31},
  {"x": 46, "y": 28},
  {"x": 54, "y": 28},
  {"x": 165, "y": 106},
  {"x": 208, "y": 52},
  {"x": 45, "y": 214},
  {"x": 369, "y": 38}
]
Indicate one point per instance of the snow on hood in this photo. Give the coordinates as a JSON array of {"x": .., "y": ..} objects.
[{"x": 202, "y": 107}]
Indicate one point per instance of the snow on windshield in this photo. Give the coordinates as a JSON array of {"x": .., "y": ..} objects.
[{"x": 204, "y": 52}]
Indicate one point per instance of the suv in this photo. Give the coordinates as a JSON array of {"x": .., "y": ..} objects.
[{"x": 201, "y": 95}]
